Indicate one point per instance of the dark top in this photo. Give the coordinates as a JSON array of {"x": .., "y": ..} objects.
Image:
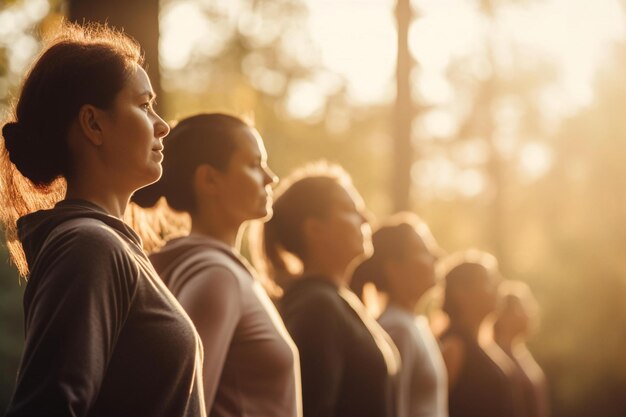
[
  {"x": 104, "y": 336},
  {"x": 345, "y": 373},
  {"x": 483, "y": 388},
  {"x": 250, "y": 362}
]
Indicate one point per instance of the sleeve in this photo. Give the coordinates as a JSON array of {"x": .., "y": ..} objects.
[
  {"x": 402, "y": 382},
  {"x": 316, "y": 331},
  {"x": 76, "y": 302},
  {"x": 212, "y": 299}
]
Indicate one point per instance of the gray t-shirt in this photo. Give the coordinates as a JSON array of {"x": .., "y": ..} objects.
[
  {"x": 421, "y": 387},
  {"x": 250, "y": 362}
]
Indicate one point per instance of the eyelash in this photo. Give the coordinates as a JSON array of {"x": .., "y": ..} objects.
[{"x": 148, "y": 105}]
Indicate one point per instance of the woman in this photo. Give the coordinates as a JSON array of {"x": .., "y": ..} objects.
[
  {"x": 402, "y": 267},
  {"x": 482, "y": 381},
  {"x": 104, "y": 336},
  {"x": 216, "y": 171},
  {"x": 514, "y": 317},
  {"x": 347, "y": 361}
]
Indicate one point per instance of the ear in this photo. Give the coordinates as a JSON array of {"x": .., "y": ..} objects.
[
  {"x": 90, "y": 123},
  {"x": 206, "y": 180}
]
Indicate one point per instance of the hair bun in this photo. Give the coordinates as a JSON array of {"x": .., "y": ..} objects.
[
  {"x": 15, "y": 142},
  {"x": 10, "y": 132},
  {"x": 32, "y": 162}
]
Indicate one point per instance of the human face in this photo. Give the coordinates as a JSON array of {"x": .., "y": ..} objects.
[
  {"x": 513, "y": 316},
  {"x": 416, "y": 268},
  {"x": 245, "y": 188},
  {"x": 346, "y": 229},
  {"x": 483, "y": 293},
  {"x": 133, "y": 133}
]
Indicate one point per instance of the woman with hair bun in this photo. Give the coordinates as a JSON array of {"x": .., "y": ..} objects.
[
  {"x": 402, "y": 267},
  {"x": 216, "y": 172},
  {"x": 347, "y": 359},
  {"x": 513, "y": 323},
  {"x": 104, "y": 336},
  {"x": 482, "y": 380}
]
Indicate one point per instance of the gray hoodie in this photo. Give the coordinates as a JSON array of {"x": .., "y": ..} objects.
[{"x": 104, "y": 336}]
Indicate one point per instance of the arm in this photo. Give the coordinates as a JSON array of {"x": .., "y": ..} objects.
[
  {"x": 212, "y": 301},
  {"x": 77, "y": 299},
  {"x": 315, "y": 329},
  {"x": 453, "y": 353},
  {"x": 403, "y": 381}
]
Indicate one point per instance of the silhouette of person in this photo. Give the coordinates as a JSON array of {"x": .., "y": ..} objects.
[
  {"x": 104, "y": 336},
  {"x": 514, "y": 317},
  {"x": 215, "y": 170},
  {"x": 481, "y": 380},
  {"x": 402, "y": 267},
  {"x": 347, "y": 360}
]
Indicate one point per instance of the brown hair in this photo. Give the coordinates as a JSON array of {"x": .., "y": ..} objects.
[
  {"x": 208, "y": 138},
  {"x": 79, "y": 65},
  {"x": 461, "y": 270},
  {"x": 389, "y": 242}
]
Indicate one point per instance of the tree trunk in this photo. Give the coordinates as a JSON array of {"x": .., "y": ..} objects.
[
  {"x": 138, "y": 18},
  {"x": 403, "y": 151}
]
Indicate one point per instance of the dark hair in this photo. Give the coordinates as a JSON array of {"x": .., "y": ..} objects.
[
  {"x": 78, "y": 66},
  {"x": 463, "y": 268},
  {"x": 390, "y": 242},
  {"x": 310, "y": 191},
  {"x": 194, "y": 141}
]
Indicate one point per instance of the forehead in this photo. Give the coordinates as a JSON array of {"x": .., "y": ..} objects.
[
  {"x": 346, "y": 196},
  {"x": 249, "y": 142},
  {"x": 416, "y": 244},
  {"x": 138, "y": 82}
]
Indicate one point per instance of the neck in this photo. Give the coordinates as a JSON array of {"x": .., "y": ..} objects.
[
  {"x": 113, "y": 203},
  {"x": 212, "y": 227},
  {"x": 469, "y": 325},
  {"x": 507, "y": 342},
  {"x": 405, "y": 304},
  {"x": 405, "y": 300}
]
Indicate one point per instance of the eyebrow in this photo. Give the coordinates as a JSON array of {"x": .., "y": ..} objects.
[{"x": 151, "y": 95}]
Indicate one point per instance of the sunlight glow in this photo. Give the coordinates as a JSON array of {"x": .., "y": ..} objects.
[
  {"x": 357, "y": 40},
  {"x": 304, "y": 100},
  {"x": 535, "y": 160},
  {"x": 184, "y": 29}
]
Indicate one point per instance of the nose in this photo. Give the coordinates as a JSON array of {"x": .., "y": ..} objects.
[
  {"x": 366, "y": 215},
  {"x": 161, "y": 128},
  {"x": 270, "y": 177}
]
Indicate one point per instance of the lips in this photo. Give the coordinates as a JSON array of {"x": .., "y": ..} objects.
[{"x": 158, "y": 148}]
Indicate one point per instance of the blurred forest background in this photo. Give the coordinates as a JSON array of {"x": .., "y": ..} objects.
[{"x": 507, "y": 133}]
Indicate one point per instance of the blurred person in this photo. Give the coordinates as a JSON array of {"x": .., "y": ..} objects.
[
  {"x": 318, "y": 229},
  {"x": 104, "y": 336},
  {"x": 482, "y": 381},
  {"x": 402, "y": 267},
  {"x": 216, "y": 172},
  {"x": 516, "y": 312}
]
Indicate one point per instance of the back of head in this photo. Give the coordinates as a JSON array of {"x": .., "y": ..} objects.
[
  {"x": 517, "y": 307},
  {"x": 308, "y": 192},
  {"x": 462, "y": 270},
  {"x": 78, "y": 66},
  {"x": 390, "y": 243},
  {"x": 207, "y": 138}
]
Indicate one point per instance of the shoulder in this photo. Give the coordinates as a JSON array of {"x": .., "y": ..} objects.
[
  {"x": 84, "y": 256},
  {"x": 86, "y": 235},
  {"x": 312, "y": 295},
  {"x": 208, "y": 279},
  {"x": 402, "y": 331},
  {"x": 453, "y": 349}
]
